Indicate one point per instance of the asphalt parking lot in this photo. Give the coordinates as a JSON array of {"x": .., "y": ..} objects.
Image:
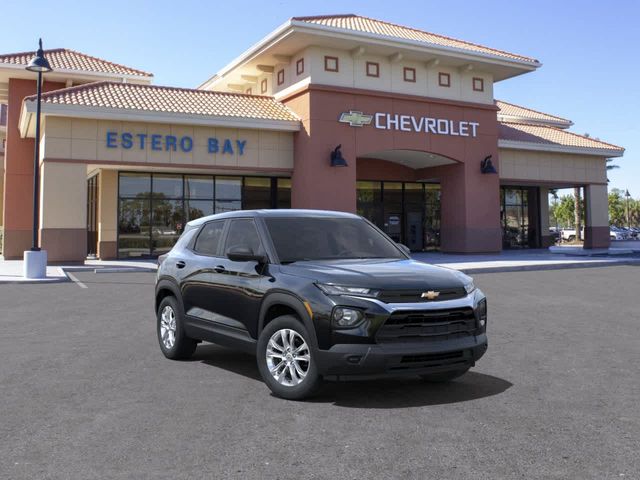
[{"x": 86, "y": 394}]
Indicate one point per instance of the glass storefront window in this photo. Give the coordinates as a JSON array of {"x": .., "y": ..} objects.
[
  {"x": 256, "y": 193},
  {"x": 392, "y": 207},
  {"x": 135, "y": 185},
  {"x": 167, "y": 186},
  {"x": 369, "y": 201},
  {"x": 197, "y": 208},
  {"x": 167, "y": 224},
  {"x": 283, "y": 193},
  {"x": 228, "y": 194},
  {"x": 154, "y": 208},
  {"x": 134, "y": 228},
  {"x": 198, "y": 187},
  {"x": 518, "y": 217}
]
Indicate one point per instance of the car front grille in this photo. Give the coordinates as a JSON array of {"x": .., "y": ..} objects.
[
  {"x": 415, "y": 296},
  {"x": 427, "y": 326}
]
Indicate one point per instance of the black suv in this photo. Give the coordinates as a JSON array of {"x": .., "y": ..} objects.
[{"x": 315, "y": 294}]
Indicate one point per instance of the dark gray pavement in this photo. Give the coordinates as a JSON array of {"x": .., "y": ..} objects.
[{"x": 86, "y": 394}]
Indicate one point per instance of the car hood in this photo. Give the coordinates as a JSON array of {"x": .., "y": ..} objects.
[{"x": 379, "y": 274}]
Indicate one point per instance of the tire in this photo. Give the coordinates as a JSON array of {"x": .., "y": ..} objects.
[
  {"x": 444, "y": 376},
  {"x": 571, "y": 238},
  {"x": 170, "y": 324},
  {"x": 286, "y": 335}
]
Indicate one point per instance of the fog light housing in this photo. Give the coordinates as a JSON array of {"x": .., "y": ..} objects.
[
  {"x": 481, "y": 313},
  {"x": 345, "y": 317}
]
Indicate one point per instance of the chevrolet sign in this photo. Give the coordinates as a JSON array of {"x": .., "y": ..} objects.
[{"x": 355, "y": 119}]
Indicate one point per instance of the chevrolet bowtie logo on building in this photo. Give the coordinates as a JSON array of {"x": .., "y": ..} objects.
[
  {"x": 355, "y": 119},
  {"x": 430, "y": 295}
]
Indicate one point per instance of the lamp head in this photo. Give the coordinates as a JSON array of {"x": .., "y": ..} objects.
[
  {"x": 337, "y": 160},
  {"x": 486, "y": 166},
  {"x": 39, "y": 63}
]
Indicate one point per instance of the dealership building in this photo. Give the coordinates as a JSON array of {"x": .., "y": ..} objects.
[{"x": 331, "y": 112}]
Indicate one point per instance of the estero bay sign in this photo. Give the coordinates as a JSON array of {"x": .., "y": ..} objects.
[
  {"x": 411, "y": 123},
  {"x": 171, "y": 143}
]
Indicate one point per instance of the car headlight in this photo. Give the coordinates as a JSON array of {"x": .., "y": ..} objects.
[
  {"x": 345, "y": 317},
  {"x": 344, "y": 290},
  {"x": 469, "y": 286}
]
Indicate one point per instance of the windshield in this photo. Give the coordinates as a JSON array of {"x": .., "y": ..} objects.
[{"x": 326, "y": 238}]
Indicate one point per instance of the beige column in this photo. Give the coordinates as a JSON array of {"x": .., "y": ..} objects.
[
  {"x": 108, "y": 214},
  {"x": 596, "y": 201},
  {"x": 63, "y": 211},
  {"x": 546, "y": 240}
]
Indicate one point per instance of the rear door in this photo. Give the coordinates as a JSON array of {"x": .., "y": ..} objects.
[{"x": 197, "y": 269}]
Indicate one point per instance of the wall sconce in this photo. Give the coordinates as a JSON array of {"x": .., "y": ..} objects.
[
  {"x": 486, "y": 166},
  {"x": 337, "y": 160}
]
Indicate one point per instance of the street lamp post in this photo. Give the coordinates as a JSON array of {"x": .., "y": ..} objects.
[
  {"x": 35, "y": 260},
  {"x": 627, "y": 196}
]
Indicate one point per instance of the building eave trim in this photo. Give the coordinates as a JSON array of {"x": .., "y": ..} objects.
[
  {"x": 533, "y": 121},
  {"x": 538, "y": 147},
  {"x": 81, "y": 73},
  {"x": 130, "y": 115}
]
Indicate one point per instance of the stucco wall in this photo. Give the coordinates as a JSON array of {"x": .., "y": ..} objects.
[
  {"x": 352, "y": 72},
  {"x": 86, "y": 140},
  {"x": 532, "y": 166}
]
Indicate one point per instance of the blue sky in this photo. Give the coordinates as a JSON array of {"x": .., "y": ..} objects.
[{"x": 590, "y": 70}]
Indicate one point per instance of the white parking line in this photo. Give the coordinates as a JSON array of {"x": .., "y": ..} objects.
[{"x": 75, "y": 280}]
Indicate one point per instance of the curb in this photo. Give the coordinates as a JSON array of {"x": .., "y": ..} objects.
[{"x": 535, "y": 268}]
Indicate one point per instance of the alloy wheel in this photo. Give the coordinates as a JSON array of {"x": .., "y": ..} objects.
[
  {"x": 168, "y": 327},
  {"x": 288, "y": 357}
]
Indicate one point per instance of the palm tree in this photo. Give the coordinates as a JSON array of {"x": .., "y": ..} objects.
[
  {"x": 577, "y": 198},
  {"x": 611, "y": 166}
]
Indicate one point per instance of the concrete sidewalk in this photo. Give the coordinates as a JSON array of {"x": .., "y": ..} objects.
[
  {"x": 506, "y": 261},
  {"x": 521, "y": 260},
  {"x": 11, "y": 270}
]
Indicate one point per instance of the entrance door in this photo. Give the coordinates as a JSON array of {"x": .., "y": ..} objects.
[
  {"x": 414, "y": 235},
  {"x": 92, "y": 216}
]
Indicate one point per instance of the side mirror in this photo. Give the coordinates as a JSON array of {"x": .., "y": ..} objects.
[
  {"x": 244, "y": 254},
  {"x": 404, "y": 248}
]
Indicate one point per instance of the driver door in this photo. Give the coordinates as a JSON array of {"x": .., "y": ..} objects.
[{"x": 238, "y": 284}]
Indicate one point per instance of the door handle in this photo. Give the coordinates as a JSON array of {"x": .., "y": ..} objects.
[
  {"x": 219, "y": 269},
  {"x": 180, "y": 264}
]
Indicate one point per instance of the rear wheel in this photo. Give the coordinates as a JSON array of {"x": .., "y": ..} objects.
[
  {"x": 173, "y": 341},
  {"x": 443, "y": 376},
  {"x": 285, "y": 359}
]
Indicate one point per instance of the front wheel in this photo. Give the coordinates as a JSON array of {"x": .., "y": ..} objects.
[
  {"x": 285, "y": 359},
  {"x": 443, "y": 377}
]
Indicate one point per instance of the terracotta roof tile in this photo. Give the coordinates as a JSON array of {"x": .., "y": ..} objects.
[
  {"x": 153, "y": 98},
  {"x": 65, "y": 59},
  {"x": 369, "y": 25},
  {"x": 552, "y": 136},
  {"x": 512, "y": 110}
]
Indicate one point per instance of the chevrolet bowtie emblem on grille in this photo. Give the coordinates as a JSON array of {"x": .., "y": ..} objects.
[
  {"x": 355, "y": 119},
  {"x": 430, "y": 295}
]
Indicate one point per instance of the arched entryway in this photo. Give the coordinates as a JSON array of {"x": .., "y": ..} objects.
[{"x": 399, "y": 191}]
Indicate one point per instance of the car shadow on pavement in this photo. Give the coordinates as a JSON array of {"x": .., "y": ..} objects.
[
  {"x": 397, "y": 392},
  {"x": 404, "y": 392},
  {"x": 227, "y": 359}
]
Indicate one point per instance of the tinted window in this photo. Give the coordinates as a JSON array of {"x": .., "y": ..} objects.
[
  {"x": 324, "y": 238},
  {"x": 243, "y": 234},
  {"x": 209, "y": 239}
]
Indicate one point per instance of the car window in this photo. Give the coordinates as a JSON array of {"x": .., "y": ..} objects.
[
  {"x": 326, "y": 238},
  {"x": 243, "y": 234},
  {"x": 209, "y": 238}
]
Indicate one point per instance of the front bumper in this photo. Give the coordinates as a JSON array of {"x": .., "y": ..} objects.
[{"x": 363, "y": 360}]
